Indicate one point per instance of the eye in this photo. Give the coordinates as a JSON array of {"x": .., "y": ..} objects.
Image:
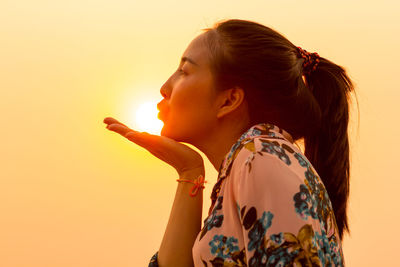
[{"x": 181, "y": 72}]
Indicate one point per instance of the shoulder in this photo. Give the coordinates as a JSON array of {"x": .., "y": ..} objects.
[
  {"x": 269, "y": 160},
  {"x": 265, "y": 150}
]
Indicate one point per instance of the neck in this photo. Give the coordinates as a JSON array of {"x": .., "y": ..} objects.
[{"x": 219, "y": 141}]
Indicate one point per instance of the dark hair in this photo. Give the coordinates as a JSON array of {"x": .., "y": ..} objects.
[{"x": 268, "y": 67}]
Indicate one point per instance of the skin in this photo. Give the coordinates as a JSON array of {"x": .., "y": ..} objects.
[{"x": 195, "y": 113}]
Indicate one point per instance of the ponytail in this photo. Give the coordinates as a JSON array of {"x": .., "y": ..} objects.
[{"x": 327, "y": 147}]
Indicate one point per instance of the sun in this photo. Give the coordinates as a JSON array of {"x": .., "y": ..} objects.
[{"x": 146, "y": 118}]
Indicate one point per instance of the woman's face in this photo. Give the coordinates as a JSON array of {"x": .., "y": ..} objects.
[{"x": 187, "y": 108}]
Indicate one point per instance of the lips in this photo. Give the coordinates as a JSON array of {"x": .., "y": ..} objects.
[{"x": 160, "y": 116}]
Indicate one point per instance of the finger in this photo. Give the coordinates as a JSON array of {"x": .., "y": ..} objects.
[
  {"x": 118, "y": 128},
  {"x": 110, "y": 120},
  {"x": 141, "y": 138}
]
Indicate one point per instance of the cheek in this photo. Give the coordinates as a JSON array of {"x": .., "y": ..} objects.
[
  {"x": 189, "y": 95},
  {"x": 191, "y": 103}
]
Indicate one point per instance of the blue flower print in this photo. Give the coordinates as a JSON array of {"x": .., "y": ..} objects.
[
  {"x": 267, "y": 146},
  {"x": 266, "y": 219},
  {"x": 312, "y": 179},
  {"x": 256, "y": 235},
  {"x": 233, "y": 148},
  {"x": 213, "y": 220},
  {"x": 323, "y": 245},
  {"x": 287, "y": 249},
  {"x": 222, "y": 246},
  {"x": 277, "y": 238},
  {"x": 312, "y": 199},
  {"x": 154, "y": 260},
  {"x": 328, "y": 249},
  {"x": 335, "y": 251},
  {"x": 256, "y": 132},
  {"x": 257, "y": 232},
  {"x": 304, "y": 204},
  {"x": 302, "y": 161},
  {"x": 259, "y": 258},
  {"x": 273, "y": 256},
  {"x": 275, "y": 149}
]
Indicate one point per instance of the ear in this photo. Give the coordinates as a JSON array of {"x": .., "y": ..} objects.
[{"x": 230, "y": 100}]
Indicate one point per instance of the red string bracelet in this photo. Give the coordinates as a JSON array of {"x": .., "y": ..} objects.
[{"x": 198, "y": 183}]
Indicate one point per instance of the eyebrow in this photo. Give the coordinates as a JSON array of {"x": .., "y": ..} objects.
[{"x": 183, "y": 59}]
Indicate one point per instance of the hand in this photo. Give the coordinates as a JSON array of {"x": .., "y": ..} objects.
[{"x": 184, "y": 159}]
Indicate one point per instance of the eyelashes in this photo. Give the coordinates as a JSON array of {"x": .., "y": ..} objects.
[{"x": 181, "y": 72}]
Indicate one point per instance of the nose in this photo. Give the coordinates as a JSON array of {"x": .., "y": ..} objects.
[
  {"x": 161, "y": 103},
  {"x": 163, "y": 89},
  {"x": 166, "y": 88},
  {"x": 166, "y": 92},
  {"x": 163, "y": 92}
]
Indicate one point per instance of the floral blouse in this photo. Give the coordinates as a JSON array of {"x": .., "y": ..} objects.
[{"x": 269, "y": 208}]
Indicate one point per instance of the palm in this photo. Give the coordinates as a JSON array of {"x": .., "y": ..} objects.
[{"x": 176, "y": 154}]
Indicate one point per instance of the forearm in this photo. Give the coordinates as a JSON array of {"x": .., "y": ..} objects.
[{"x": 183, "y": 225}]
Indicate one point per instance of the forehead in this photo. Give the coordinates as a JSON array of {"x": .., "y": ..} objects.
[{"x": 197, "y": 51}]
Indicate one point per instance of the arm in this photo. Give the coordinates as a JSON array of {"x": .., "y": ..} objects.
[
  {"x": 185, "y": 218},
  {"x": 183, "y": 225}
]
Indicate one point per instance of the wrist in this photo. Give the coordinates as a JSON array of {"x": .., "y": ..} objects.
[
  {"x": 192, "y": 174},
  {"x": 198, "y": 183}
]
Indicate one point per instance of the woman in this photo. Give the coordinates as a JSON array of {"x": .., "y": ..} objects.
[{"x": 243, "y": 94}]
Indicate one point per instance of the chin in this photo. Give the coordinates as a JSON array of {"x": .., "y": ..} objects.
[
  {"x": 171, "y": 133},
  {"x": 163, "y": 131}
]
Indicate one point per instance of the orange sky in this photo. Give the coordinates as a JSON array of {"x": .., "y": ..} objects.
[{"x": 75, "y": 194}]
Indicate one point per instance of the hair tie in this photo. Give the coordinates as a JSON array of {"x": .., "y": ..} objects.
[
  {"x": 311, "y": 60},
  {"x": 198, "y": 183}
]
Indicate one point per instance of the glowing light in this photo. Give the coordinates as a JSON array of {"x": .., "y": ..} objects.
[{"x": 146, "y": 118}]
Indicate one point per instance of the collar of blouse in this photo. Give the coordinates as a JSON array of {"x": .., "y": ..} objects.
[{"x": 264, "y": 129}]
